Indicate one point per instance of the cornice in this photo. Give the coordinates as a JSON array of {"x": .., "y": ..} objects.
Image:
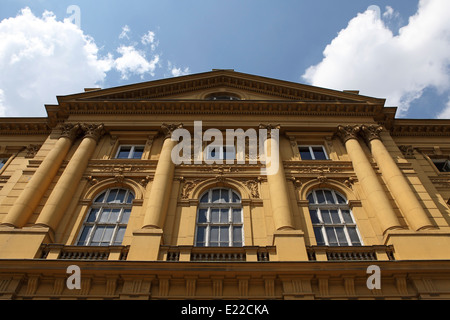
[
  {"x": 424, "y": 127},
  {"x": 266, "y": 107},
  {"x": 24, "y": 126}
]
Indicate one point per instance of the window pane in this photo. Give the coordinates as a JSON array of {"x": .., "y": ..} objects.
[
  {"x": 201, "y": 236},
  {"x": 347, "y": 216},
  {"x": 100, "y": 198},
  {"x": 119, "y": 236},
  {"x": 229, "y": 153},
  {"x": 224, "y": 234},
  {"x": 224, "y": 215},
  {"x": 105, "y": 215},
  {"x": 305, "y": 154},
  {"x": 319, "y": 236},
  {"x": 215, "y": 215},
  {"x": 353, "y": 236},
  {"x": 335, "y": 216},
  {"x": 204, "y": 199},
  {"x": 98, "y": 233},
  {"x": 125, "y": 216},
  {"x": 341, "y": 236},
  {"x": 202, "y": 216},
  {"x": 120, "y": 198},
  {"x": 215, "y": 196},
  {"x": 332, "y": 241},
  {"x": 124, "y": 152},
  {"x": 236, "y": 198},
  {"x": 237, "y": 234},
  {"x": 93, "y": 215},
  {"x": 237, "y": 215},
  {"x": 130, "y": 197},
  {"x": 319, "y": 153},
  {"x": 329, "y": 196},
  {"x": 112, "y": 195},
  {"x": 326, "y": 216},
  {"x": 138, "y": 151},
  {"x": 314, "y": 217},
  {"x": 214, "y": 234},
  {"x": 84, "y": 236},
  {"x": 311, "y": 198},
  {"x": 114, "y": 216},
  {"x": 224, "y": 197},
  {"x": 320, "y": 196},
  {"x": 340, "y": 199},
  {"x": 107, "y": 235}
]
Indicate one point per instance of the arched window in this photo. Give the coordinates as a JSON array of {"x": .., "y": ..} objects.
[
  {"x": 332, "y": 219},
  {"x": 107, "y": 219},
  {"x": 219, "y": 219}
]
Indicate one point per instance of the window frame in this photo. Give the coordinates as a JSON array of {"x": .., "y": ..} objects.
[
  {"x": 322, "y": 227},
  {"x": 208, "y": 224},
  {"x": 311, "y": 152},
  {"x": 131, "y": 152},
  {"x": 100, "y": 207}
]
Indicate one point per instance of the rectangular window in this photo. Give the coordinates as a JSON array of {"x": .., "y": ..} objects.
[
  {"x": 220, "y": 153},
  {"x": 130, "y": 152},
  {"x": 313, "y": 153}
]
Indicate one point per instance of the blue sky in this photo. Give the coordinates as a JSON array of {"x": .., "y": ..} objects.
[{"x": 398, "y": 49}]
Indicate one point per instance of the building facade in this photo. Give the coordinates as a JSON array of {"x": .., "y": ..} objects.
[{"x": 358, "y": 208}]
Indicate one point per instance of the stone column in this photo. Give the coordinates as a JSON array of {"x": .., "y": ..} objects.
[
  {"x": 67, "y": 184},
  {"x": 402, "y": 192},
  {"x": 161, "y": 188},
  {"x": 278, "y": 190},
  {"x": 30, "y": 197},
  {"x": 368, "y": 179}
]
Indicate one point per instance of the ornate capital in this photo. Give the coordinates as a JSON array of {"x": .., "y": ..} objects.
[
  {"x": 168, "y": 129},
  {"x": 371, "y": 132},
  {"x": 69, "y": 130},
  {"x": 269, "y": 127},
  {"x": 94, "y": 131},
  {"x": 346, "y": 133}
]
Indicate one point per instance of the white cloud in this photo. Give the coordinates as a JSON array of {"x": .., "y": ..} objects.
[
  {"x": 134, "y": 61},
  {"x": 445, "y": 114},
  {"x": 176, "y": 72},
  {"x": 366, "y": 56},
  {"x": 41, "y": 58}
]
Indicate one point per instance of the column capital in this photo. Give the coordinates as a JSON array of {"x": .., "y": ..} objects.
[
  {"x": 94, "y": 131},
  {"x": 371, "y": 132},
  {"x": 70, "y": 130},
  {"x": 269, "y": 127},
  {"x": 168, "y": 129},
  {"x": 348, "y": 132}
]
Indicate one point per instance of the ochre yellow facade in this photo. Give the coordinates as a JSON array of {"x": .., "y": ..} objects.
[{"x": 386, "y": 184}]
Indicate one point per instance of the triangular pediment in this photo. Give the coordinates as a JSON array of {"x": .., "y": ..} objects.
[{"x": 201, "y": 85}]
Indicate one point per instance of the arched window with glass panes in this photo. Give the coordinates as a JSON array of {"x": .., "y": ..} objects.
[
  {"x": 332, "y": 219},
  {"x": 107, "y": 219},
  {"x": 219, "y": 219}
]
